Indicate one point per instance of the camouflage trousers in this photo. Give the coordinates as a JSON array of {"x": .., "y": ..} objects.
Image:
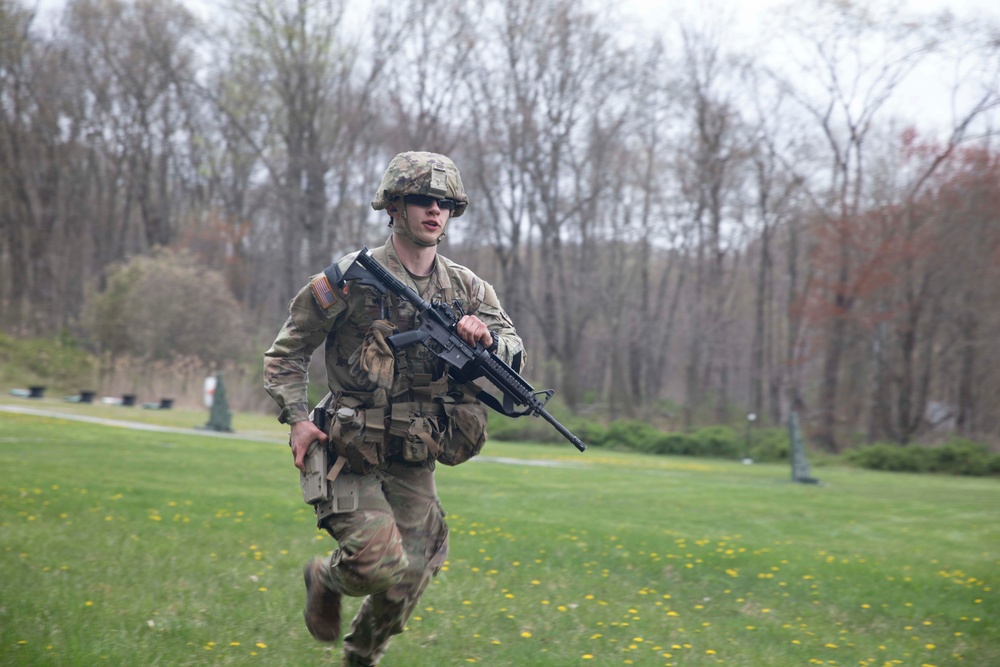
[{"x": 388, "y": 551}]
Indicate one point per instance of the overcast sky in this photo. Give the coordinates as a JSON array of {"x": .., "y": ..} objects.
[{"x": 923, "y": 98}]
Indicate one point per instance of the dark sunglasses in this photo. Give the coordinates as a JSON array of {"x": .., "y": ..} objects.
[{"x": 425, "y": 201}]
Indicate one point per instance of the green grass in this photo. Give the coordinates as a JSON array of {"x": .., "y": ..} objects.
[{"x": 136, "y": 548}]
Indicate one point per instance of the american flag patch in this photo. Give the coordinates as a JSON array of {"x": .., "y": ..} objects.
[{"x": 324, "y": 294}]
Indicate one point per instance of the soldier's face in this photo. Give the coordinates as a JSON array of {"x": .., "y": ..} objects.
[{"x": 426, "y": 217}]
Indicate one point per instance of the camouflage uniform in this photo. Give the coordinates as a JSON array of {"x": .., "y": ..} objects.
[{"x": 396, "y": 540}]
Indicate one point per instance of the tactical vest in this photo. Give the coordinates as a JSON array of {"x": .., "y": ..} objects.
[{"x": 425, "y": 415}]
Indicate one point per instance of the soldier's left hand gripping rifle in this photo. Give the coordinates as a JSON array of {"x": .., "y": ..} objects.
[{"x": 465, "y": 363}]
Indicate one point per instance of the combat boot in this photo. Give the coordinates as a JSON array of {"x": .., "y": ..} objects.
[{"x": 322, "y": 611}]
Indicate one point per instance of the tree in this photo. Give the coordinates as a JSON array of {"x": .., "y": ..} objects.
[{"x": 857, "y": 58}]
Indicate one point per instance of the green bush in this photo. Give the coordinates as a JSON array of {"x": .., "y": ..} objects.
[
  {"x": 635, "y": 435},
  {"x": 961, "y": 457},
  {"x": 892, "y": 458},
  {"x": 163, "y": 306},
  {"x": 676, "y": 444},
  {"x": 520, "y": 429},
  {"x": 770, "y": 445},
  {"x": 957, "y": 457},
  {"x": 592, "y": 433},
  {"x": 718, "y": 442}
]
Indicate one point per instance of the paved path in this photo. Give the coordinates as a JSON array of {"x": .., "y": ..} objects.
[
  {"x": 37, "y": 412},
  {"x": 138, "y": 426}
]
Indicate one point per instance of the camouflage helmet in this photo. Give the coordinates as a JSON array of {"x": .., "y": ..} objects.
[{"x": 420, "y": 173}]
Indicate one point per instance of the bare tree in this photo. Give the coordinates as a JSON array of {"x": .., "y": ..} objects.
[
  {"x": 710, "y": 174},
  {"x": 857, "y": 60},
  {"x": 546, "y": 143},
  {"x": 296, "y": 92}
]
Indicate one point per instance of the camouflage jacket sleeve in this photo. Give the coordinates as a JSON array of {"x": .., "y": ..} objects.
[
  {"x": 499, "y": 323},
  {"x": 286, "y": 363}
]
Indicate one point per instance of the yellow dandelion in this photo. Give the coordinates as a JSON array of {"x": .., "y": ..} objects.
[
  {"x": 260, "y": 645},
  {"x": 88, "y": 603},
  {"x": 525, "y": 634},
  {"x": 587, "y": 656}
]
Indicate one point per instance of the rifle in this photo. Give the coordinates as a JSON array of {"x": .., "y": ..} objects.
[{"x": 465, "y": 363}]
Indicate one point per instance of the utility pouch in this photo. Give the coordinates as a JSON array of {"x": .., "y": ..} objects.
[
  {"x": 358, "y": 435},
  {"x": 465, "y": 434},
  {"x": 422, "y": 440}
]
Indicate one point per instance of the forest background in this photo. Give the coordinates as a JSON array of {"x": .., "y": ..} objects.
[{"x": 686, "y": 225}]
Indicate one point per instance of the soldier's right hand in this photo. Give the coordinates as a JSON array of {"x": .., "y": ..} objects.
[{"x": 304, "y": 434}]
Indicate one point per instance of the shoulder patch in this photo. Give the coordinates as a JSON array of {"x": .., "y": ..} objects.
[{"x": 323, "y": 291}]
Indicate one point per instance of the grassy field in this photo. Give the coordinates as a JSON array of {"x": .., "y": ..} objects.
[{"x": 139, "y": 548}]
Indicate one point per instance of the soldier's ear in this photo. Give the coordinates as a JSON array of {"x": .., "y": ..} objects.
[{"x": 391, "y": 209}]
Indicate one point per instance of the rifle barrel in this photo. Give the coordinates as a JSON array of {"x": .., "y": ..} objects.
[{"x": 562, "y": 429}]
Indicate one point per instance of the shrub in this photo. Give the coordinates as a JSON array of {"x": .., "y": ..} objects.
[
  {"x": 630, "y": 434},
  {"x": 520, "y": 429},
  {"x": 675, "y": 444},
  {"x": 770, "y": 445},
  {"x": 892, "y": 458},
  {"x": 163, "y": 306},
  {"x": 961, "y": 457},
  {"x": 957, "y": 457},
  {"x": 717, "y": 441},
  {"x": 592, "y": 433}
]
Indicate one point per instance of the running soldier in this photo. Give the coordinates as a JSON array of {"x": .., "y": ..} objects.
[{"x": 391, "y": 415}]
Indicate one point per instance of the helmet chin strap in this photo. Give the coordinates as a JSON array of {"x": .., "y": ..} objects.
[{"x": 404, "y": 229}]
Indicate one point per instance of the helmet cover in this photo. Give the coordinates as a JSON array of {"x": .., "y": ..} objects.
[{"x": 421, "y": 173}]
